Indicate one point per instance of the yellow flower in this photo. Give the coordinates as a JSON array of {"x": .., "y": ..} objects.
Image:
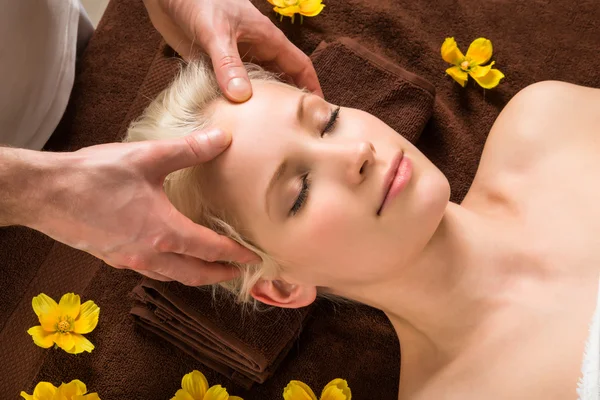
[
  {"x": 479, "y": 52},
  {"x": 337, "y": 389},
  {"x": 74, "y": 390},
  {"x": 194, "y": 386},
  {"x": 289, "y": 8},
  {"x": 63, "y": 324}
]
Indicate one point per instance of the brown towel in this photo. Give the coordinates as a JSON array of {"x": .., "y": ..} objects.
[
  {"x": 351, "y": 76},
  {"x": 533, "y": 41},
  {"x": 244, "y": 346}
]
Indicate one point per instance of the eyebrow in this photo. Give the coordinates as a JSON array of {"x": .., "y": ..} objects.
[
  {"x": 300, "y": 110},
  {"x": 279, "y": 173}
]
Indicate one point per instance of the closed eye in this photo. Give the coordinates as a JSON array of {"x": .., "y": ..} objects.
[
  {"x": 331, "y": 123},
  {"x": 302, "y": 196}
]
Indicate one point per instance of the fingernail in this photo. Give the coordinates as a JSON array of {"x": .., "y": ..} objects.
[
  {"x": 239, "y": 89},
  {"x": 218, "y": 137}
]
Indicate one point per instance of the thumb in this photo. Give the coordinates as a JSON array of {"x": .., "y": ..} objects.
[
  {"x": 175, "y": 154},
  {"x": 230, "y": 71}
]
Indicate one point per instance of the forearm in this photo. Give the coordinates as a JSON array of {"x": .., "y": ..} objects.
[{"x": 25, "y": 176}]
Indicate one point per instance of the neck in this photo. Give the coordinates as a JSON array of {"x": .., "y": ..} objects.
[{"x": 466, "y": 274}]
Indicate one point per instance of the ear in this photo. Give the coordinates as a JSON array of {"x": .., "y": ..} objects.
[{"x": 282, "y": 294}]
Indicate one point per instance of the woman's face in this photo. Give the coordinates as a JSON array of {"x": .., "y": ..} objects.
[{"x": 308, "y": 187}]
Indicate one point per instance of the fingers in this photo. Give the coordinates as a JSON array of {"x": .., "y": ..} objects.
[
  {"x": 273, "y": 47},
  {"x": 171, "y": 155},
  {"x": 229, "y": 69},
  {"x": 155, "y": 276},
  {"x": 292, "y": 61},
  {"x": 200, "y": 242},
  {"x": 191, "y": 271},
  {"x": 147, "y": 273}
]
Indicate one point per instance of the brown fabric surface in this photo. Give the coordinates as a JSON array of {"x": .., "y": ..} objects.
[
  {"x": 533, "y": 40},
  {"x": 126, "y": 364},
  {"x": 184, "y": 339},
  {"x": 22, "y": 251},
  {"x": 351, "y": 76},
  {"x": 62, "y": 270},
  {"x": 246, "y": 347}
]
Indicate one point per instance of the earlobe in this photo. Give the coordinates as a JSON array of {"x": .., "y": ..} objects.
[{"x": 282, "y": 294}]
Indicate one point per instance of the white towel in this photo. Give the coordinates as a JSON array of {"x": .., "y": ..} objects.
[{"x": 588, "y": 387}]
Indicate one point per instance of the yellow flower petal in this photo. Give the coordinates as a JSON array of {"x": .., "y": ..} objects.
[
  {"x": 41, "y": 337},
  {"x": 480, "y": 51},
  {"x": 333, "y": 393},
  {"x": 49, "y": 322},
  {"x": 277, "y": 3},
  {"x": 73, "y": 388},
  {"x": 64, "y": 341},
  {"x": 216, "y": 392},
  {"x": 306, "y": 5},
  {"x": 88, "y": 318},
  {"x": 27, "y": 396},
  {"x": 69, "y": 305},
  {"x": 80, "y": 344},
  {"x": 489, "y": 80},
  {"x": 311, "y": 8},
  {"x": 451, "y": 53},
  {"x": 458, "y": 75},
  {"x": 182, "y": 395},
  {"x": 296, "y": 390},
  {"x": 44, "y": 391},
  {"x": 339, "y": 384},
  {"x": 314, "y": 12},
  {"x": 288, "y": 11},
  {"x": 195, "y": 384},
  {"x": 44, "y": 305},
  {"x": 235, "y": 398},
  {"x": 480, "y": 71}
]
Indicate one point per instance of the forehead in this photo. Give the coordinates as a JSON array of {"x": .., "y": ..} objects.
[
  {"x": 261, "y": 131},
  {"x": 271, "y": 107}
]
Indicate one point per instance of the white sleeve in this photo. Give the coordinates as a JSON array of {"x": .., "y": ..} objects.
[{"x": 38, "y": 42}]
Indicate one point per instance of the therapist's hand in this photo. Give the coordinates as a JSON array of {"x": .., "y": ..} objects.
[
  {"x": 223, "y": 29},
  {"x": 108, "y": 200}
]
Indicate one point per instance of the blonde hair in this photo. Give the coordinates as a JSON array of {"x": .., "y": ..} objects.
[{"x": 185, "y": 107}]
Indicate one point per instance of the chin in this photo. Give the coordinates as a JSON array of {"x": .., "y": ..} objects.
[
  {"x": 433, "y": 191},
  {"x": 431, "y": 198}
]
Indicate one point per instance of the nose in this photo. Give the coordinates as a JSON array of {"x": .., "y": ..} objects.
[{"x": 360, "y": 160}]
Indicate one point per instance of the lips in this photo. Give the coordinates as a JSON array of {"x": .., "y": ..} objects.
[{"x": 395, "y": 179}]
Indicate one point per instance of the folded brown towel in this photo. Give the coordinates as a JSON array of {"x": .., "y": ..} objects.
[
  {"x": 208, "y": 330},
  {"x": 244, "y": 346},
  {"x": 353, "y": 76},
  {"x": 186, "y": 342}
]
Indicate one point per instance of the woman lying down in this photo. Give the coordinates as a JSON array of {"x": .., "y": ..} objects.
[{"x": 491, "y": 299}]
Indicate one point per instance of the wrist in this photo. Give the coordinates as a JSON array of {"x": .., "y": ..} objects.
[{"x": 27, "y": 178}]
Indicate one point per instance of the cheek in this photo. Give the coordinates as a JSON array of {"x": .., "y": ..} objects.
[
  {"x": 329, "y": 228},
  {"x": 320, "y": 234},
  {"x": 327, "y": 241}
]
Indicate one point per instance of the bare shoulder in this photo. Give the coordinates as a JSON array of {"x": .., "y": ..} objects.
[
  {"x": 544, "y": 115},
  {"x": 540, "y": 120}
]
